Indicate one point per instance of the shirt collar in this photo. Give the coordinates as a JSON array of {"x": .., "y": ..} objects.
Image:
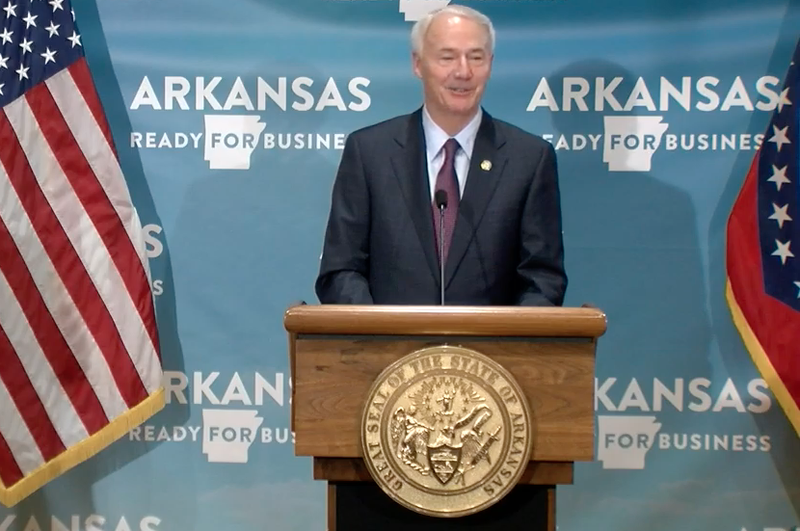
[{"x": 435, "y": 137}]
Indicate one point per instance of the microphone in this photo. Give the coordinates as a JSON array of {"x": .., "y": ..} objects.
[{"x": 440, "y": 198}]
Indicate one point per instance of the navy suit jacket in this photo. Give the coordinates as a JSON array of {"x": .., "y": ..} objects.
[{"x": 507, "y": 246}]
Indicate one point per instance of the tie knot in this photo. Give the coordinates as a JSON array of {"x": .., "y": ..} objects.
[{"x": 450, "y": 148}]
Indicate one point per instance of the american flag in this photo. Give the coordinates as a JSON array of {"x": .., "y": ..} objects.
[
  {"x": 763, "y": 285},
  {"x": 79, "y": 357}
]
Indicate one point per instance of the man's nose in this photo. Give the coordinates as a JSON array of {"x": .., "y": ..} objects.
[{"x": 463, "y": 68}]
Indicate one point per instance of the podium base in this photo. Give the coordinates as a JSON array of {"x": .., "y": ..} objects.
[{"x": 363, "y": 506}]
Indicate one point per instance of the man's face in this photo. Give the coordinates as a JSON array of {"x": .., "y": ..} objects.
[{"x": 454, "y": 65}]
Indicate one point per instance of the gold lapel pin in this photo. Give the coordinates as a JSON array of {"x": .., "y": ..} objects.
[{"x": 486, "y": 165}]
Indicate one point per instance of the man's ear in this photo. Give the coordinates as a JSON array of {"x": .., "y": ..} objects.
[{"x": 415, "y": 64}]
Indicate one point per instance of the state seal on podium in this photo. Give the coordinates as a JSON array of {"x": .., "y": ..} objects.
[{"x": 446, "y": 431}]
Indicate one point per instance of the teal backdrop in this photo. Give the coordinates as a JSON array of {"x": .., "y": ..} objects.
[{"x": 229, "y": 118}]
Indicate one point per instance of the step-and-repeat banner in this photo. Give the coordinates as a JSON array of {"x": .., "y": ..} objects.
[{"x": 230, "y": 118}]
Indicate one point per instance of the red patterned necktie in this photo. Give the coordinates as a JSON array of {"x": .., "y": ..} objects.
[{"x": 447, "y": 181}]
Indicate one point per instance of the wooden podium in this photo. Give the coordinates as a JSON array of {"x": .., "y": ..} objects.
[{"x": 336, "y": 352}]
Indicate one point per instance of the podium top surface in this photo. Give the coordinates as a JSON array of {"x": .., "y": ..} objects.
[{"x": 509, "y": 321}]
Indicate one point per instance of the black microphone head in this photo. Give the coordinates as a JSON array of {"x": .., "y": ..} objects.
[{"x": 440, "y": 197}]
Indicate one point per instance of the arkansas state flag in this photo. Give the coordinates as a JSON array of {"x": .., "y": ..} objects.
[{"x": 763, "y": 284}]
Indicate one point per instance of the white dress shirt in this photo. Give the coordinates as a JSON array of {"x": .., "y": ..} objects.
[{"x": 435, "y": 139}]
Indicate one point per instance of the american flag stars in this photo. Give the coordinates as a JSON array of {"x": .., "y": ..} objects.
[{"x": 33, "y": 37}]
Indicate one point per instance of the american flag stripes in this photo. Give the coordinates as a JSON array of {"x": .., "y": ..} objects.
[
  {"x": 763, "y": 288},
  {"x": 79, "y": 353}
]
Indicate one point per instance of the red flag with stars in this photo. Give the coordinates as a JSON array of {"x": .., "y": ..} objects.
[{"x": 763, "y": 272}]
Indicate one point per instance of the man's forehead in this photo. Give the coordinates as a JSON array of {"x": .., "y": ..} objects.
[
  {"x": 452, "y": 47},
  {"x": 455, "y": 23},
  {"x": 478, "y": 40}
]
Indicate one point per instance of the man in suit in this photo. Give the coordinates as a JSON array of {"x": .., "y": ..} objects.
[{"x": 502, "y": 223}]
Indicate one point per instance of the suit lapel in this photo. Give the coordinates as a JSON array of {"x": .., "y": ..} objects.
[
  {"x": 482, "y": 179},
  {"x": 411, "y": 169}
]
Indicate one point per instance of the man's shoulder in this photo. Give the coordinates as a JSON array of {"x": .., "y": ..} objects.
[{"x": 518, "y": 136}]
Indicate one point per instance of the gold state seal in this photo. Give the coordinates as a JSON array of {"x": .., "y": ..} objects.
[{"x": 446, "y": 431}]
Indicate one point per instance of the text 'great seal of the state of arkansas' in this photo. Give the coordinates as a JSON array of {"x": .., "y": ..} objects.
[{"x": 446, "y": 431}]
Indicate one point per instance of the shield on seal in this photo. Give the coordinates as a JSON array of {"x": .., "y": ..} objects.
[{"x": 444, "y": 461}]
